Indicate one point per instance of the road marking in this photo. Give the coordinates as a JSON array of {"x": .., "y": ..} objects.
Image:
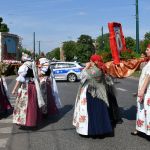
[
  {"x": 122, "y": 89},
  {"x": 3, "y": 142},
  {"x": 6, "y": 121},
  {"x": 6, "y": 130}
]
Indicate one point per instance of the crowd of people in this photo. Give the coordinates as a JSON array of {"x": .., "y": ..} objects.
[
  {"x": 36, "y": 93},
  {"x": 96, "y": 110}
]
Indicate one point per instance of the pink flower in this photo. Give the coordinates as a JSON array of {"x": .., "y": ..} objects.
[
  {"x": 82, "y": 118},
  {"x": 148, "y": 102},
  {"x": 139, "y": 122},
  {"x": 93, "y": 72}
]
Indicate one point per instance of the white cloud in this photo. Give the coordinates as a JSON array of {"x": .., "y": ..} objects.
[{"x": 81, "y": 13}]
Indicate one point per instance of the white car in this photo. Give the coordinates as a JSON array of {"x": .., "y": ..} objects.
[{"x": 67, "y": 70}]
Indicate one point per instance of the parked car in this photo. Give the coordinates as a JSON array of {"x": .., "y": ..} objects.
[{"x": 67, "y": 70}]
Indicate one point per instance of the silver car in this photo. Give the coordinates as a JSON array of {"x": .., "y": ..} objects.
[{"x": 67, "y": 70}]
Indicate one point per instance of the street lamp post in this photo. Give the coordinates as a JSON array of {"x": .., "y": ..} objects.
[{"x": 137, "y": 27}]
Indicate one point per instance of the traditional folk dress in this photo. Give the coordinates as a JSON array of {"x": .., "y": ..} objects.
[
  {"x": 91, "y": 116},
  {"x": 113, "y": 108},
  {"x": 27, "y": 109},
  {"x": 47, "y": 88},
  {"x": 143, "y": 109},
  {"x": 55, "y": 91},
  {"x": 4, "y": 98}
]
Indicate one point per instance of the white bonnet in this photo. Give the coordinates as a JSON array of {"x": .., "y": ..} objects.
[{"x": 43, "y": 61}]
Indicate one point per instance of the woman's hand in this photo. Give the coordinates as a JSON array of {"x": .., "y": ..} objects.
[
  {"x": 13, "y": 92},
  {"x": 141, "y": 95},
  {"x": 88, "y": 65}
]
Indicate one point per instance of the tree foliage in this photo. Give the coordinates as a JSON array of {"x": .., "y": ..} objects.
[
  {"x": 3, "y": 26},
  {"x": 69, "y": 48},
  {"x": 147, "y": 36},
  {"x": 130, "y": 43},
  {"x": 103, "y": 43},
  {"x": 54, "y": 54},
  {"x": 84, "y": 48}
]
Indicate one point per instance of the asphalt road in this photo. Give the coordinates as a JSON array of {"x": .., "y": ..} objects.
[{"x": 57, "y": 133}]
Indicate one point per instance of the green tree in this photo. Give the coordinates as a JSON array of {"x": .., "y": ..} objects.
[
  {"x": 69, "y": 48},
  {"x": 130, "y": 43},
  {"x": 54, "y": 54},
  {"x": 147, "y": 36},
  {"x": 145, "y": 42},
  {"x": 103, "y": 43},
  {"x": 3, "y": 26},
  {"x": 84, "y": 48},
  {"x": 1, "y": 20}
]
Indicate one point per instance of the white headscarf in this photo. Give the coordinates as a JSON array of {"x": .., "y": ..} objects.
[
  {"x": 23, "y": 71},
  {"x": 44, "y": 62}
]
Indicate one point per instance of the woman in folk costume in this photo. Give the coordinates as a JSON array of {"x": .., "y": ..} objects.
[
  {"x": 29, "y": 101},
  {"x": 4, "y": 98},
  {"x": 113, "y": 108},
  {"x": 47, "y": 88},
  {"x": 91, "y": 116},
  {"x": 143, "y": 100}
]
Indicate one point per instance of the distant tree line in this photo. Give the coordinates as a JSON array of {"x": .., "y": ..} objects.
[{"x": 86, "y": 46}]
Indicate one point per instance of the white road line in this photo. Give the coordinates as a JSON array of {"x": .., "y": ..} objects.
[
  {"x": 3, "y": 142},
  {"x": 6, "y": 130},
  {"x": 122, "y": 89},
  {"x": 6, "y": 121}
]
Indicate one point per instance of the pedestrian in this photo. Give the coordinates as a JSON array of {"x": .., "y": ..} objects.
[
  {"x": 143, "y": 100},
  {"x": 27, "y": 111},
  {"x": 91, "y": 114},
  {"x": 47, "y": 88},
  {"x": 5, "y": 105}
]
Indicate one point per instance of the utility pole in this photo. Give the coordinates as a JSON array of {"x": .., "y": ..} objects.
[
  {"x": 34, "y": 45},
  {"x": 137, "y": 27}
]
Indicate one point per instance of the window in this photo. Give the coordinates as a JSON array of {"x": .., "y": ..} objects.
[
  {"x": 61, "y": 65},
  {"x": 71, "y": 65}
]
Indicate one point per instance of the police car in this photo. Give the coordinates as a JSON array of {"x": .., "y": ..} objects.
[{"x": 67, "y": 70}]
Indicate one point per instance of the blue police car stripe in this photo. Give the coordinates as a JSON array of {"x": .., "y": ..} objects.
[{"x": 63, "y": 71}]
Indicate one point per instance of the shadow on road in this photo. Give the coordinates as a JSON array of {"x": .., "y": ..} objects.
[
  {"x": 6, "y": 113},
  {"x": 128, "y": 113},
  {"x": 63, "y": 111}
]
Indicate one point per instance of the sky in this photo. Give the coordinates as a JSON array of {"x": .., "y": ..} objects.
[{"x": 57, "y": 21}]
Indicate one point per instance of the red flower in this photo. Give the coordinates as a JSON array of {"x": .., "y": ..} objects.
[
  {"x": 148, "y": 127},
  {"x": 148, "y": 102},
  {"x": 83, "y": 101},
  {"x": 82, "y": 118},
  {"x": 139, "y": 122}
]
